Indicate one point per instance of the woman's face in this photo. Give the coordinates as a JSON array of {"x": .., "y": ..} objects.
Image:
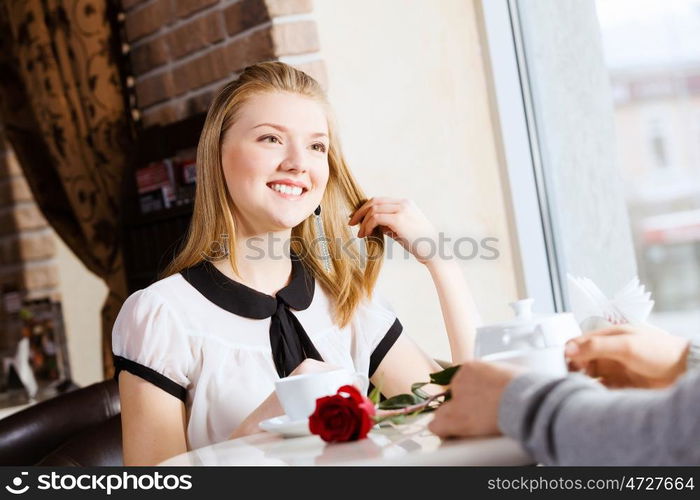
[{"x": 278, "y": 144}]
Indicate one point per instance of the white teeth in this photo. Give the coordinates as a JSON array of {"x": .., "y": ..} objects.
[{"x": 283, "y": 188}]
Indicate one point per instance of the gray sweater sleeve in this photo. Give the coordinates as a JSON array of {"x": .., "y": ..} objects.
[
  {"x": 576, "y": 421},
  {"x": 694, "y": 354}
]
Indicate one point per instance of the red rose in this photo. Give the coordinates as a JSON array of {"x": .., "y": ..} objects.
[{"x": 345, "y": 416}]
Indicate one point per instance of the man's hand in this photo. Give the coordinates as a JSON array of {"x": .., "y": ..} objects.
[
  {"x": 629, "y": 356},
  {"x": 476, "y": 389}
]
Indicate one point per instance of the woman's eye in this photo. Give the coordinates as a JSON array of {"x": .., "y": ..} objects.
[
  {"x": 321, "y": 147},
  {"x": 274, "y": 139}
]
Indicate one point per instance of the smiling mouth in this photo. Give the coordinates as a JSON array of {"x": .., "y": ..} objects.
[{"x": 286, "y": 191}]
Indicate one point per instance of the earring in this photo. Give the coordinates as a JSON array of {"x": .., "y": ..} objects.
[{"x": 325, "y": 255}]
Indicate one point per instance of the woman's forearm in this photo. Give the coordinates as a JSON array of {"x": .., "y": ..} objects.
[
  {"x": 269, "y": 408},
  {"x": 458, "y": 308}
]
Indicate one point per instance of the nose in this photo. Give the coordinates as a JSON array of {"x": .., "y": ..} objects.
[{"x": 293, "y": 160}]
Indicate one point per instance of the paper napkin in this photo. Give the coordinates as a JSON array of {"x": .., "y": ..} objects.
[{"x": 592, "y": 309}]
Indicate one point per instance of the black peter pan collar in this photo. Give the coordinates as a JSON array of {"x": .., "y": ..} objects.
[{"x": 289, "y": 342}]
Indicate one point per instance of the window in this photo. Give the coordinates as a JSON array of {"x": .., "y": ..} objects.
[{"x": 611, "y": 86}]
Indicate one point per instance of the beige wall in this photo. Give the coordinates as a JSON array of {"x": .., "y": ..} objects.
[
  {"x": 407, "y": 82},
  {"x": 82, "y": 296}
]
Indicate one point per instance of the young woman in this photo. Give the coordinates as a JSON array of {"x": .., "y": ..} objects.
[{"x": 197, "y": 353}]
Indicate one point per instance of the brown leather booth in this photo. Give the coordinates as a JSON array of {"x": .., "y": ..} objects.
[{"x": 80, "y": 428}]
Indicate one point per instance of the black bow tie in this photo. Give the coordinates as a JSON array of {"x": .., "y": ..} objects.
[{"x": 289, "y": 342}]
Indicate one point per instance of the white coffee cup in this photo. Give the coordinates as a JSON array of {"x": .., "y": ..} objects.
[
  {"x": 298, "y": 393},
  {"x": 546, "y": 360}
]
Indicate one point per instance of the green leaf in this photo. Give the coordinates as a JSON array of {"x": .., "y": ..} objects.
[
  {"x": 375, "y": 395},
  {"x": 444, "y": 377},
  {"x": 400, "y": 401},
  {"x": 415, "y": 389}
]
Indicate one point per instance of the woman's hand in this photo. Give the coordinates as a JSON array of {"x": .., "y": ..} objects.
[
  {"x": 313, "y": 366},
  {"x": 629, "y": 356},
  {"x": 401, "y": 220},
  {"x": 271, "y": 406}
]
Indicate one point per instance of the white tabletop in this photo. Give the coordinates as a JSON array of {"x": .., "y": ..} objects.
[{"x": 407, "y": 444}]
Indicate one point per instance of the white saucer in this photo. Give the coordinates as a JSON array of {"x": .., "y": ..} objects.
[{"x": 282, "y": 425}]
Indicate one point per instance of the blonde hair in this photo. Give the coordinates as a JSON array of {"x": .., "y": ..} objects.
[{"x": 349, "y": 280}]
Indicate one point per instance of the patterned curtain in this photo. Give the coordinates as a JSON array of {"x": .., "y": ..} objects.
[{"x": 62, "y": 105}]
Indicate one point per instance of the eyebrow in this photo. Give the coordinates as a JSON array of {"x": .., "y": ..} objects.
[{"x": 283, "y": 129}]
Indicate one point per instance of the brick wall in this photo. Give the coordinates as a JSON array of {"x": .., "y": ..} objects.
[
  {"x": 27, "y": 244},
  {"x": 182, "y": 51}
]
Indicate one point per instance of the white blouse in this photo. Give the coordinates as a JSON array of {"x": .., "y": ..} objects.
[{"x": 218, "y": 359}]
